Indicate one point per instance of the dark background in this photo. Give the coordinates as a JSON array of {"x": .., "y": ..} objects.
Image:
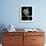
[{"x": 30, "y": 10}]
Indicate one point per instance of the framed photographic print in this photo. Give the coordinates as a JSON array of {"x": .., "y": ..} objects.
[{"x": 26, "y": 13}]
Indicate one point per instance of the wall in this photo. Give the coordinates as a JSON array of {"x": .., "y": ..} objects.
[{"x": 10, "y": 12}]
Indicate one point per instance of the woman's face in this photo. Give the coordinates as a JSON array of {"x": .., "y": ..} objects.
[{"x": 26, "y": 11}]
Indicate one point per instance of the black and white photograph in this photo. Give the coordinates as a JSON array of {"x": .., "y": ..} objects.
[{"x": 26, "y": 14}]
